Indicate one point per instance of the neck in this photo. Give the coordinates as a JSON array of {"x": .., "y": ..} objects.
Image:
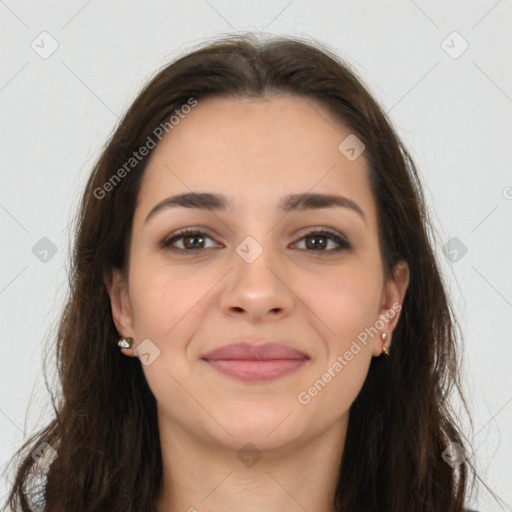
[{"x": 204, "y": 477}]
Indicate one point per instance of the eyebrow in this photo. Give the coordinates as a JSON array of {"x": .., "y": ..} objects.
[{"x": 292, "y": 202}]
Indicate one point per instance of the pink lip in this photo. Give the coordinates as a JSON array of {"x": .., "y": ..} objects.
[{"x": 249, "y": 361}]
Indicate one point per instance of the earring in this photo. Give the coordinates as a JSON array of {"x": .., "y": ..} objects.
[
  {"x": 384, "y": 337},
  {"x": 125, "y": 342}
]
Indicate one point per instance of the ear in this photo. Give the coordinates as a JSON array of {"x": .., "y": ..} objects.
[
  {"x": 393, "y": 294},
  {"x": 117, "y": 289}
]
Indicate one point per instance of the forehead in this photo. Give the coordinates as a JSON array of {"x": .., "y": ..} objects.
[{"x": 255, "y": 151}]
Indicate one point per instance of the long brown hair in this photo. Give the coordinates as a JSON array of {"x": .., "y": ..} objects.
[{"x": 105, "y": 428}]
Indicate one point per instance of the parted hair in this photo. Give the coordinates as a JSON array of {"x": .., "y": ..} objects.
[{"x": 104, "y": 428}]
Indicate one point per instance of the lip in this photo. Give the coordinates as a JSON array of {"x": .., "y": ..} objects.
[
  {"x": 256, "y": 361},
  {"x": 255, "y": 350}
]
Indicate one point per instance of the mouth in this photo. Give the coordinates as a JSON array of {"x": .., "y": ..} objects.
[
  {"x": 256, "y": 370},
  {"x": 253, "y": 362}
]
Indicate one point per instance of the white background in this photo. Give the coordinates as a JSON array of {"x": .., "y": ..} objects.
[{"x": 454, "y": 114}]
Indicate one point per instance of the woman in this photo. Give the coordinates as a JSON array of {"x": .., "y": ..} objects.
[{"x": 256, "y": 318}]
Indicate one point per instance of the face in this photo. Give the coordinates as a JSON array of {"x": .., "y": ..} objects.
[{"x": 309, "y": 278}]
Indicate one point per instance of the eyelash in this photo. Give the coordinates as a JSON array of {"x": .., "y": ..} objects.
[{"x": 342, "y": 242}]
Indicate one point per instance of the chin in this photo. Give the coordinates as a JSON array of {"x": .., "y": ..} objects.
[{"x": 265, "y": 425}]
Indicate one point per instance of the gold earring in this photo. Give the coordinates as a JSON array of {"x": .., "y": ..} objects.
[
  {"x": 384, "y": 337},
  {"x": 125, "y": 342}
]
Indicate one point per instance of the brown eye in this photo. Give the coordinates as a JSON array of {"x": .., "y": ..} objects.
[
  {"x": 322, "y": 241},
  {"x": 190, "y": 240},
  {"x": 318, "y": 241}
]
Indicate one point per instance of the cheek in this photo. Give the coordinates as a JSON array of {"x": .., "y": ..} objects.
[
  {"x": 352, "y": 312},
  {"x": 342, "y": 300},
  {"x": 347, "y": 305},
  {"x": 345, "y": 300},
  {"x": 163, "y": 297}
]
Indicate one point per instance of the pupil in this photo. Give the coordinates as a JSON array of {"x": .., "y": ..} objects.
[
  {"x": 309, "y": 244},
  {"x": 315, "y": 245},
  {"x": 188, "y": 245}
]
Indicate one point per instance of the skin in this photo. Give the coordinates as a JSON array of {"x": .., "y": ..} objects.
[{"x": 254, "y": 152}]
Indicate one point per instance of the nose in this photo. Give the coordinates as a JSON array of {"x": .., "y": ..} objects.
[{"x": 259, "y": 290}]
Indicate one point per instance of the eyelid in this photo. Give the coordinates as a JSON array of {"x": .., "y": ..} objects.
[
  {"x": 342, "y": 240},
  {"x": 181, "y": 233},
  {"x": 338, "y": 237}
]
